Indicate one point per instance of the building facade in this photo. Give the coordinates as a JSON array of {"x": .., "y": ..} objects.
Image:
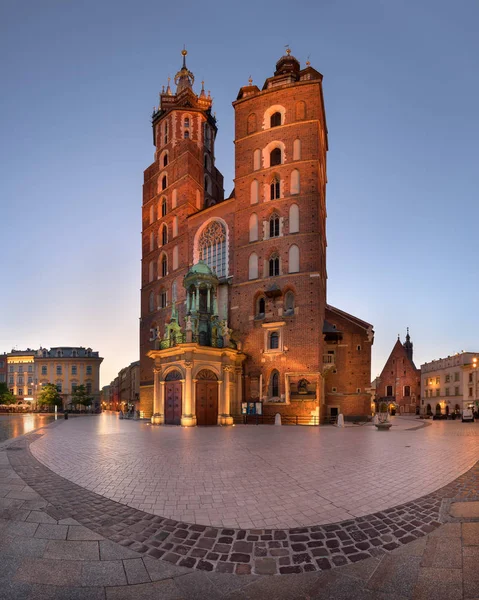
[
  {"x": 347, "y": 364},
  {"x": 129, "y": 386},
  {"x": 3, "y": 368},
  {"x": 22, "y": 374},
  {"x": 449, "y": 385},
  {"x": 66, "y": 367},
  {"x": 399, "y": 384},
  {"x": 233, "y": 293}
]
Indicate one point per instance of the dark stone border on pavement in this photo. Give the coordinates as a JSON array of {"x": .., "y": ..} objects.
[{"x": 242, "y": 552}]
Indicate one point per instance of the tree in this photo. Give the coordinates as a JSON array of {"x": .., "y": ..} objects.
[
  {"x": 6, "y": 396},
  {"x": 81, "y": 396},
  {"x": 49, "y": 396}
]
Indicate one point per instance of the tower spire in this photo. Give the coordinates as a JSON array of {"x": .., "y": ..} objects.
[{"x": 184, "y": 79}]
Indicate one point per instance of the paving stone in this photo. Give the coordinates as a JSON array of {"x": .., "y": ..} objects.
[
  {"x": 164, "y": 590},
  {"x": 49, "y": 572},
  {"x": 470, "y": 534},
  {"x": 50, "y": 531},
  {"x": 395, "y": 574},
  {"x": 136, "y": 571},
  {"x": 78, "y": 532},
  {"x": 48, "y": 592},
  {"x": 438, "y": 584},
  {"x": 445, "y": 553},
  {"x": 22, "y": 547},
  {"x": 159, "y": 570},
  {"x": 20, "y": 529},
  {"x": 39, "y": 516},
  {"x": 111, "y": 551},
  {"x": 71, "y": 550},
  {"x": 197, "y": 586},
  {"x": 103, "y": 573},
  {"x": 464, "y": 509}
]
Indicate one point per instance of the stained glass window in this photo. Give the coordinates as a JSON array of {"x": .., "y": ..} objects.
[{"x": 212, "y": 247}]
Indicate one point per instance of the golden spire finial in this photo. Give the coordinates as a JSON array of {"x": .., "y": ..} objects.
[
  {"x": 250, "y": 80},
  {"x": 184, "y": 52},
  {"x": 288, "y": 49}
]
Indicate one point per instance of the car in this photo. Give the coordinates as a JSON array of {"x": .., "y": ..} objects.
[{"x": 467, "y": 415}]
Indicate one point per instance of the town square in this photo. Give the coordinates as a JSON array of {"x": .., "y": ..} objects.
[{"x": 238, "y": 347}]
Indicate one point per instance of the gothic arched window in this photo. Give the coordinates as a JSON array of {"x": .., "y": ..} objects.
[
  {"x": 164, "y": 235},
  {"x": 164, "y": 265},
  {"x": 274, "y": 265},
  {"x": 164, "y": 183},
  {"x": 187, "y": 122},
  {"x": 165, "y": 159},
  {"x": 261, "y": 308},
  {"x": 164, "y": 207},
  {"x": 275, "y": 120},
  {"x": 212, "y": 247},
  {"x": 275, "y": 157},
  {"x": 274, "y": 225},
  {"x": 289, "y": 303},
  {"x": 274, "y": 384},
  {"x": 275, "y": 188}
]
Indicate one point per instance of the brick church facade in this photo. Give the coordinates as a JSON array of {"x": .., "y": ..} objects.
[
  {"x": 233, "y": 300},
  {"x": 399, "y": 384}
]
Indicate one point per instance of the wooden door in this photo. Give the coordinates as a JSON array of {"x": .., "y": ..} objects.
[
  {"x": 173, "y": 402},
  {"x": 207, "y": 402}
]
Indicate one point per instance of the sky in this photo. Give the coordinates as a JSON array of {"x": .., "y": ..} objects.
[{"x": 79, "y": 80}]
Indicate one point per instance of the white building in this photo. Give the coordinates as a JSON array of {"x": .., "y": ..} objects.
[{"x": 450, "y": 384}]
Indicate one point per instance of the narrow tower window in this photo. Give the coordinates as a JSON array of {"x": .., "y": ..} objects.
[
  {"x": 274, "y": 266},
  {"x": 275, "y": 120},
  {"x": 274, "y": 225},
  {"x": 275, "y": 188},
  {"x": 275, "y": 157}
]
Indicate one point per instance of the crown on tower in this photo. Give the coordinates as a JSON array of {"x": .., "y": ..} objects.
[{"x": 184, "y": 79}]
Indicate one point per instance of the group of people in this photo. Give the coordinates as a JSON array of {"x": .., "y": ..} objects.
[{"x": 130, "y": 413}]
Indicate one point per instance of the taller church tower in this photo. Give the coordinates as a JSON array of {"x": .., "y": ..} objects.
[
  {"x": 279, "y": 289},
  {"x": 181, "y": 182}
]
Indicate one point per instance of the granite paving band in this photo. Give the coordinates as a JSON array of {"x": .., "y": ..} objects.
[{"x": 253, "y": 551}]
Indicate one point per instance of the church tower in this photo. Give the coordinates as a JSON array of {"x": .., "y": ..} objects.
[
  {"x": 279, "y": 289},
  {"x": 182, "y": 181}
]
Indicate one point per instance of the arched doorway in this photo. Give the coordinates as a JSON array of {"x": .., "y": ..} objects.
[
  {"x": 206, "y": 398},
  {"x": 173, "y": 398}
]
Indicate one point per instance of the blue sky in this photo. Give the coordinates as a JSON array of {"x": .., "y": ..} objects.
[{"x": 79, "y": 80}]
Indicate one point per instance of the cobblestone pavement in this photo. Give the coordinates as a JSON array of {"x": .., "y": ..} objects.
[
  {"x": 257, "y": 477},
  {"x": 45, "y": 553}
]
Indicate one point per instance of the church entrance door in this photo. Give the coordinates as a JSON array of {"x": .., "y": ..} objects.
[
  {"x": 173, "y": 398},
  {"x": 206, "y": 398}
]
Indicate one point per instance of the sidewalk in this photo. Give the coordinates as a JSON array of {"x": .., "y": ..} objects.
[{"x": 47, "y": 556}]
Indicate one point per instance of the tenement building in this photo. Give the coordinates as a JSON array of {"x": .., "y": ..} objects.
[
  {"x": 399, "y": 384},
  {"x": 66, "y": 367},
  {"x": 449, "y": 385},
  {"x": 233, "y": 301}
]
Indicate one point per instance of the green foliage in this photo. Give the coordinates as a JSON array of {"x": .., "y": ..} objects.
[
  {"x": 383, "y": 407},
  {"x": 6, "y": 396},
  {"x": 80, "y": 396},
  {"x": 49, "y": 396}
]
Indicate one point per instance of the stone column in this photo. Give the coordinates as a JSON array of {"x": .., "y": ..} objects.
[
  {"x": 188, "y": 419},
  {"x": 197, "y": 299},
  {"x": 208, "y": 298},
  {"x": 225, "y": 416},
  {"x": 220, "y": 401},
  {"x": 239, "y": 389},
  {"x": 215, "y": 302},
  {"x": 158, "y": 398}
]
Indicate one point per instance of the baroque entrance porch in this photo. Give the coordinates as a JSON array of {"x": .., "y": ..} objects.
[{"x": 206, "y": 382}]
